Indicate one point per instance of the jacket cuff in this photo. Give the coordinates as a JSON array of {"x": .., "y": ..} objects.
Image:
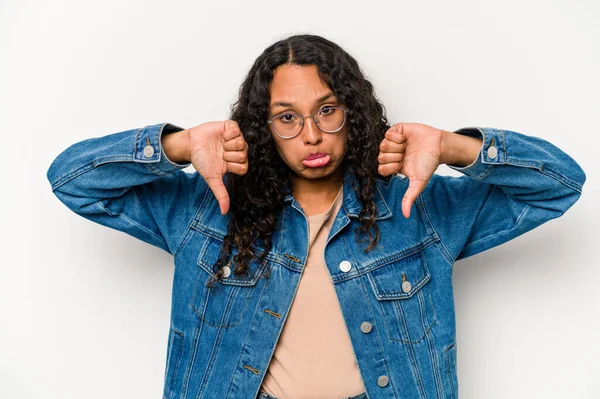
[
  {"x": 491, "y": 153},
  {"x": 148, "y": 148}
]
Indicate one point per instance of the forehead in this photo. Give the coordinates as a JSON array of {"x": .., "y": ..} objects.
[{"x": 296, "y": 83}]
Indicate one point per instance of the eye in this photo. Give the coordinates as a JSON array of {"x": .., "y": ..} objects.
[
  {"x": 287, "y": 118},
  {"x": 327, "y": 110}
]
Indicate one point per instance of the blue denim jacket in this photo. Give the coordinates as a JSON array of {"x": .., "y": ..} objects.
[{"x": 397, "y": 300}]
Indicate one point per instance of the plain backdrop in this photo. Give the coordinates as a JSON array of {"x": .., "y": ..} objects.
[{"x": 84, "y": 310}]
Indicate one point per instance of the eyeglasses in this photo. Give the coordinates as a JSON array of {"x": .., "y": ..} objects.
[{"x": 330, "y": 119}]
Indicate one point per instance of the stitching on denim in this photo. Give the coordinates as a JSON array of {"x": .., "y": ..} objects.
[
  {"x": 229, "y": 307},
  {"x": 431, "y": 341},
  {"x": 135, "y": 141},
  {"x": 542, "y": 168},
  {"x": 449, "y": 372},
  {"x": 192, "y": 359},
  {"x": 500, "y": 232},
  {"x": 190, "y": 223},
  {"x": 446, "y": 253},
  {"x": 70, "y": 176},
  {"x": 249, "y": 338},
  {"x": 134, "y": 223},
  {"x": 338, "y": 278},
  {"x": 177, "y": 360},
  {"x": 390, "y": 214},
  {"x": 381, "y": 350},
  {"x": 560, "y": 178}
]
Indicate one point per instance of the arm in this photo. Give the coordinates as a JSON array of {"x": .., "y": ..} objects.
[
  {"x": 513, "y": 184},
  {"x": 132, "y": 181}
]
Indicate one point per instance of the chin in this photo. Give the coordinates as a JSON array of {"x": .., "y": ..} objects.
[{"x": 317, "y": 173}]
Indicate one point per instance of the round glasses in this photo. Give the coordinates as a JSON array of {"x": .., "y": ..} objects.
[{"x": 287, "y": 125}]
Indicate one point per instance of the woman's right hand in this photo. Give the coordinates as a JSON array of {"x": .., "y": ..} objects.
[{"x": 214, "y": 149}]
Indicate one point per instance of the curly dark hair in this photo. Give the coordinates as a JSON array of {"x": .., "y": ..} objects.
[{"x": 258, "y": 196}]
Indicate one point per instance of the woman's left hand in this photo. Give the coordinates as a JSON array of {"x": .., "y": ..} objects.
[{"x": 414, "y": 150}]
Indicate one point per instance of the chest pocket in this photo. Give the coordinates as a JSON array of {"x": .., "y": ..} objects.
[
  {"x": 403, "y": 297},
  {"x": 223, "y": 305}
]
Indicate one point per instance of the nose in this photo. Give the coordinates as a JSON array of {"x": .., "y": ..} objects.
[{"x": 311, "y": 134}]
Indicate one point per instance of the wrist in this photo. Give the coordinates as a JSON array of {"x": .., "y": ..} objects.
[
  {"x": 176, "y": 146},
  {"x": 459, "y": 150}
]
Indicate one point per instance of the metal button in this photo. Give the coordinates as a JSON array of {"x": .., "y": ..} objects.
[
  {"x": 345, "y": 266},
  {"x": 383, "y": 380},
  {"x": 226, "y": 271},
  {"x": 148, "y": 151},
  {"x": 492, "y": 152},
  {"x": 366, "y": 327},
  {"x": 406, "y": 286}
]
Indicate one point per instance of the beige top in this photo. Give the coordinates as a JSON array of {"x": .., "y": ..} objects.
[{"x": 314, "y": 357}]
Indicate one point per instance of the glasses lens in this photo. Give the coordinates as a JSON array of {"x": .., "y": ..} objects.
[
  {"x": 287, "y": 125},
  {"x": 330, "y": 119}
]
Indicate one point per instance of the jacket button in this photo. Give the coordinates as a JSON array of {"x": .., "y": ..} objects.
[
  {"x": 226, "y": 271},
  {"x": 366, "y": 327},
  {"x": 492, "y": 152},
  {"x": 406, "y": 286},
  {"x": 383, "y": 380},
  {"x": 148, "y": 151},
  {"x": 345, "y": 266}
]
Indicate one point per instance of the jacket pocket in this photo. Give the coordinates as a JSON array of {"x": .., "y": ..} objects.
[
  {"x": 400, "y": 285},
  {"x": 173, "y": 360},
  {"x": 222, "y": 305}
]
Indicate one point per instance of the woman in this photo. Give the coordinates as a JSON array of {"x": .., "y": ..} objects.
[{"x": 314, "y": 247}]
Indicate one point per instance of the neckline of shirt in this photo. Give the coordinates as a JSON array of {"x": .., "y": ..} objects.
[{"x": 325, "y": 215}]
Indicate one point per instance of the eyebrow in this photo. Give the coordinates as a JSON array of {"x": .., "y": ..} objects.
[{"x": 286, "y": 104}]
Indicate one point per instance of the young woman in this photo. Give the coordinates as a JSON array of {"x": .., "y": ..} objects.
[{"x": 314, "y": 246}]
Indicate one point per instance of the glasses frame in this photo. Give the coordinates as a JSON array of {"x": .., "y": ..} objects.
[{"x": 270, "y": 121}]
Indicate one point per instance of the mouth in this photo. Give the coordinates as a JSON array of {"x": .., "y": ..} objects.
[{"x": 317, "y": 160}]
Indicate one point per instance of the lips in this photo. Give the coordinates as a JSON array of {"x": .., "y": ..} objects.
[
  {"x": 317, "y": 160},
  {"x": 315, "y": 156}
]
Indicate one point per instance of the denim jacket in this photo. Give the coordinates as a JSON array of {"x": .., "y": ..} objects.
[{"x": 397, "y": 300}]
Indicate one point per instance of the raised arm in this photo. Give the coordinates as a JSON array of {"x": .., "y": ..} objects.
[
  {"x": 128, "y": 181},
  {"x": 514, "y": 184}
]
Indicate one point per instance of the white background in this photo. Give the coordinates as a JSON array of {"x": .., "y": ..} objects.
[{"x": 84, "y": 310}]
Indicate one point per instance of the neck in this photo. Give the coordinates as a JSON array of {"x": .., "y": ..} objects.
[{"x": 317, "y": 195}]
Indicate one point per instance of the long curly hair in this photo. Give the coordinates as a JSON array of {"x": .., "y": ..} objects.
[{"x": 257, "y": 197}]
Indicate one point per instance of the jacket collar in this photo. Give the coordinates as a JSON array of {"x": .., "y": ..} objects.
[{"x": 352, "y": 205}]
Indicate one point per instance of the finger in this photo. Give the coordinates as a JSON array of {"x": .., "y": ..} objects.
[
  {"x": 235, "y": 156},
  {"x": 389, "y": 168},
  {"x": 231, "y": 130},
  {"x": 235, "y": 144},
  {"x": 396, "y": 133},
  {"x": 410, "y": 196},
  {"x": 237, "y": 168},
  {"x": 220, "y": 191},
  {"x": 389, "y": 157},
  {"x": 391, "y": 146}
]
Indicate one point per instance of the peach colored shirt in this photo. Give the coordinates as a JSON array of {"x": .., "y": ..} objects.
[{"x": 314, "y": 357}]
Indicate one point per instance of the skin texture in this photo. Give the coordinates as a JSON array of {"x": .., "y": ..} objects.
[{"x": 314, "y": 188}]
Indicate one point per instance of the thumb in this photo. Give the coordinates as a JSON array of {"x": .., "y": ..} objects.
[
  {"x": 220, "y": 191},
  {"x": 410, "y": 196}
]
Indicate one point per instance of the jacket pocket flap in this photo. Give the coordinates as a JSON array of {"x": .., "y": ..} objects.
[
  {"x": 399, "y": 278},
  {"x": 209, "y": 254}
]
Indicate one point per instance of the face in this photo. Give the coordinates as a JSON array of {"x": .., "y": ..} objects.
[{"x": 312, "y": 154}]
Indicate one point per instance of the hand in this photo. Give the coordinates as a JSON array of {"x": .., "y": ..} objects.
[
  {"x": 415, "y": 150},
  {"x": 215, "y": 149}
]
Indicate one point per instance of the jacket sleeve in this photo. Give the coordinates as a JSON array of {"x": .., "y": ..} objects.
[
  {"x": 125, "y": 181},
  {"x": 516, "y": 183}
]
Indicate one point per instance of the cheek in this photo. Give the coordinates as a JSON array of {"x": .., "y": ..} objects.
[{"x": 284, "y": 151}]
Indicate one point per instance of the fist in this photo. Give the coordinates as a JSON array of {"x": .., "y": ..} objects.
[
  {"x": 215, "y": 149},
  {"x": 414, "y": 150}
]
